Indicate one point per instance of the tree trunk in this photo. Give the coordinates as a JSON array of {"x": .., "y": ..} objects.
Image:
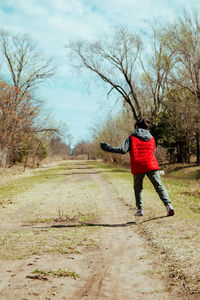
[
  {"x": 198, "y": 147},
  {"x": 3, "y": 156},
  {"x": 181, "y": 151}
]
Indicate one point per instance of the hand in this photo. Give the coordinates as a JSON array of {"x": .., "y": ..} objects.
[{"x": 103, "y": 145}]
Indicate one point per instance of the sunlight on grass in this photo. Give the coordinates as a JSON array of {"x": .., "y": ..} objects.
[
  {"x": 66, "y": 203},
  {"x": 7, "y": 191},
  {"x": 174, "y": 239},
  {"x": 23, "y": 244}
]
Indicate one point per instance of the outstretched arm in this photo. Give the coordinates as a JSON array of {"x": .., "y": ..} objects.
[{"x": 122, "y": 150}]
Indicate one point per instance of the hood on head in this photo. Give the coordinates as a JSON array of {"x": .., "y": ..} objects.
[{"x": 142, "y": 134}]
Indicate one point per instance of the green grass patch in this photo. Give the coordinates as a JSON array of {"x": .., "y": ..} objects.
[
  {"x": 57, "y": 273},
  {"x": 183, "y": 171},
  {"x": 184, "y": 195},
  {"x": 109, "y": 167}
]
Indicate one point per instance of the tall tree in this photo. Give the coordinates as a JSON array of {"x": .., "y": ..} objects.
[
  {"x": 17, "y": 115},
  {"x": 114, "y": 60},
  {"x": 24, "y": 67},
  {"x": 185, "y": 43},
  {"x": 156, "y": 62},
  {"x": 175, "y": 125},
  {"x": 24, "y": 62}
]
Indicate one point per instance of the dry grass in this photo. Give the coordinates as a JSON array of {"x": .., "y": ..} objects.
[
  {"x": 174, "y": 241},
  {"x": 8, "y": 175},
  {"x": 23, "y": 244},
  {"x": 51, "y": 195},
  {"x": 48, "y": 197}
]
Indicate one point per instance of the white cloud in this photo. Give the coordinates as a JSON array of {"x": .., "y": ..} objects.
[{"x": 74, "y": 7}]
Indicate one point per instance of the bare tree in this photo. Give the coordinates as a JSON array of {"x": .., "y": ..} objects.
[
  {"x": 25, "y": 68},
  {"x": 24, "y": 62},
  {"x": 114, "y": 60},
  {"x": 156, "y": 67}
]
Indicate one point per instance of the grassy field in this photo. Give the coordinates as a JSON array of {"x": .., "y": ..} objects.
[{"x": 176, "y": 239}]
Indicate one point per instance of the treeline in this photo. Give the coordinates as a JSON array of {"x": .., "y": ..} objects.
[
  {"x": 156, "y": 76},
  {"x": 25, "y": 136}
]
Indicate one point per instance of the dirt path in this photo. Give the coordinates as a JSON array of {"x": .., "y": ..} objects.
[{"x": 118, "y": 267}]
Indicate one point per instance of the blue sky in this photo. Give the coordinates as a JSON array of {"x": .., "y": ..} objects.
[{"x": 70, "y": 96}]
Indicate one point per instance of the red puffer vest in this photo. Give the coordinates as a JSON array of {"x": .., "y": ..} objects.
[{"x": 142, "y": 156}]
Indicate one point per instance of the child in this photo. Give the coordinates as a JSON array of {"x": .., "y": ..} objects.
[{"x": 141, "y": 147}]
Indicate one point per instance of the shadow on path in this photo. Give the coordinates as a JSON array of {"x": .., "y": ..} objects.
[
  {"x": 87, "y": 224},
  {"x": 155, "y": 218},
  {"x": 100, "y": 224}
]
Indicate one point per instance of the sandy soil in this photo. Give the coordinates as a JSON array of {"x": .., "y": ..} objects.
[{"x": 119, "y": 267}]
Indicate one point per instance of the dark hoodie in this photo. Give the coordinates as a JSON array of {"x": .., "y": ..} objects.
[{"x": 140, "y": 133}]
